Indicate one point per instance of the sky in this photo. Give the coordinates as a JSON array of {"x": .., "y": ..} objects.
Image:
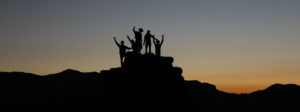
[{"x": 238, "y": 45}]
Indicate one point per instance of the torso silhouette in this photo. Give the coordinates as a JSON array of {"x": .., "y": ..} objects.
[
  {"x": 133, "y": 46},
  {"x": 138, "y": 38},
  {"x": 157, "y": 45},
  {"x": 123, "y": 49},
  {"x": 148, "y": 38}
]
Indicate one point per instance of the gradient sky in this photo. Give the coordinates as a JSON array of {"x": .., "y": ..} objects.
[{"x": 238, "y": 45}]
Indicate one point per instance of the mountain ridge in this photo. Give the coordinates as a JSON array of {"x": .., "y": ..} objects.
[
  {"x": 198, "y": 92},
  {"x": 143, "y": 83},
  {"x": 68, "y": 71}
]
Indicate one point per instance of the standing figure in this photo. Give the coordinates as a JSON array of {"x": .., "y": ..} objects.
[
  {"x": 138, "y": 39},
  {"x": 133, "y": 45},
  {"x": 157, "y": 45},
  {"x": 147, "y": 42},
  {"x": 122, "y": 50}
]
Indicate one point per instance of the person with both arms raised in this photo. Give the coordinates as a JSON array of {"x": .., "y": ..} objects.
[
  {"x": 138, "y": 38},
  {"x": 122, "y": 50},
  {"x": 133, "y": 45},
  {"x": 157, "y": 45}
]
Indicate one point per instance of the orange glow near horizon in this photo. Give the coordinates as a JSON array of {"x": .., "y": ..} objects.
[
  {"x": 238, "y": 46},
  {"x": 245, "y": 80}
]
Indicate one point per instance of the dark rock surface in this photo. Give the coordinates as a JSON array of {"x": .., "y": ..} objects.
[
  {"x": 146, "y": 81},
  {"x": 143, "y": 83}
]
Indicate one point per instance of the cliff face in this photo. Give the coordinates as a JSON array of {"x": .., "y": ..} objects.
[{"x": 145, "y": 81}]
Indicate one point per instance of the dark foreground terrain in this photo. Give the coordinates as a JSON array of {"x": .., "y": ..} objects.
[{"x": 144, "y": 83}]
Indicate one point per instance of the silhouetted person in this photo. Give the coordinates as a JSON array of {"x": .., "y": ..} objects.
[
  {"x": 147, "y": 42},
  {"x": 133, "y": 45},
  {"x": 157, "y": 45},
  {"x": 138, "y": 38},
  {"x": 122, "y": 50}
]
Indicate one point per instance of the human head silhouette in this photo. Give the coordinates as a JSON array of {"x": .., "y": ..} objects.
[
  {"x": 141, "y": 30},
  {"x": 122, "y": 42},
  {"x": 148, "y": 31},
  {"x": 157, "y": 41}
]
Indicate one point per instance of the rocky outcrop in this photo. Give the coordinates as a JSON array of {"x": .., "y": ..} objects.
[{"x": 146, "y": 81}]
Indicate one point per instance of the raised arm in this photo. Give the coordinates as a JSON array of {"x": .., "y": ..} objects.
[
  {"x": 129, "y": 38},
  {"x": 162, "y": 40},
  {"x": 133, "y": 29},
  {"x": 116, "y": 41}
]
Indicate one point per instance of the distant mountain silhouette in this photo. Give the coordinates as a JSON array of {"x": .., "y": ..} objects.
[
  {"x": 277, "y": 97},
  {"x": 68, "y": 89},
  {"x": 144, "y": 83}
]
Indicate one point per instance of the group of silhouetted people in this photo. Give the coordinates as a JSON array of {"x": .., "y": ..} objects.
[{"x": 137, "y": 45}]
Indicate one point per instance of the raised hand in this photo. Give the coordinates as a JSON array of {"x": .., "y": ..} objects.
[
  {"x": 128, "y": 38},
  {"x": 116, "y": 41},
  {"x": 162, "y": 40}
]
